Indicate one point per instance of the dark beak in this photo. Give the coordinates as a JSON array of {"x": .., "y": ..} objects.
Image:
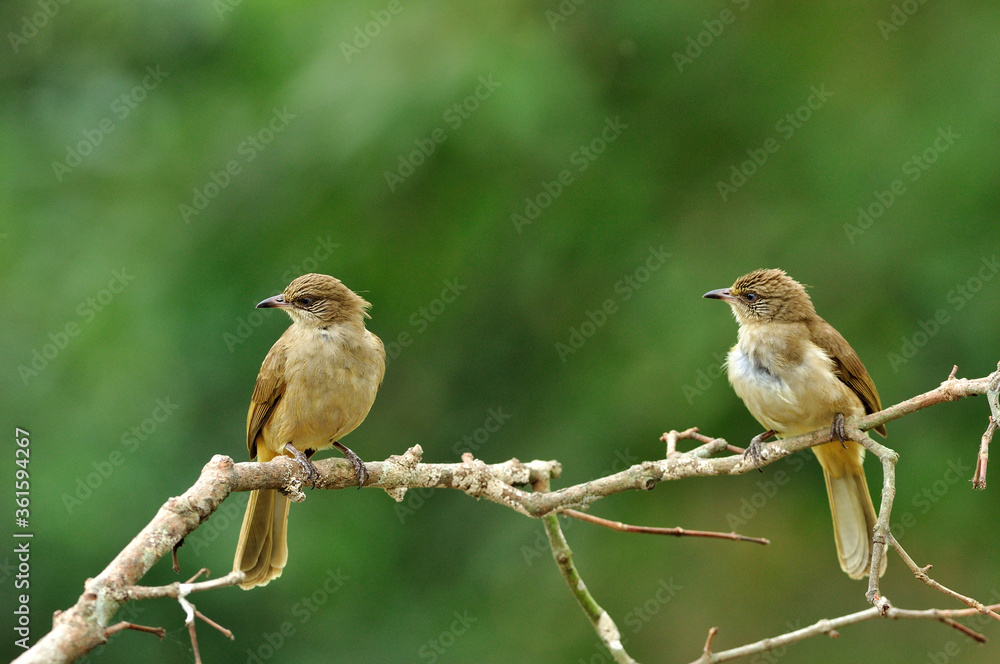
[
  {"x": 276, "y": 302},
  {"x": 720, "y": 294}
]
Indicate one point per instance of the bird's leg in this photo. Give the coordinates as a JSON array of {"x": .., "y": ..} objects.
[
  {"x": 838, "y": 431},
  {"x": 311, "y": 472},
  {"x": 754, "y": 450},
  {"x": 359, "y": 465}
]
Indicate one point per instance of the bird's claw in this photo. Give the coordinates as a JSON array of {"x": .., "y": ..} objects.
[
  {"x": 359, "y": 466},
  {"x": 838, "y": 431},
  {"x": 312, "y": 473},
  {"x": 755, "y": 450}
]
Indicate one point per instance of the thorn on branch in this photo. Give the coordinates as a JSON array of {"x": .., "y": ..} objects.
[
  {"x": 176, "y": 565},
  {"x": 707, "y": 650}
]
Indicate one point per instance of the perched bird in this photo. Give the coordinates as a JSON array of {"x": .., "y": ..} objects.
[
  {"x": 315, "y": 386},
  {"x": 796, "y": 374}
]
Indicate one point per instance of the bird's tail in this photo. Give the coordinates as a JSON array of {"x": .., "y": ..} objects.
[
  {"x": 262, "y": 550},
  {"x": 851, "y": 506}
]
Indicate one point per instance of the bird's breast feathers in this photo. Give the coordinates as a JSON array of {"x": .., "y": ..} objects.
[
  {"x": 329, "y": 387},
  {"x": 789, "y": 390}
]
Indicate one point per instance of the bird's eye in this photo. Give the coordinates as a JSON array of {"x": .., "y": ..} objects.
[
  {"x": 751, "y": 297},
  {"x": 305, "y": 301}
]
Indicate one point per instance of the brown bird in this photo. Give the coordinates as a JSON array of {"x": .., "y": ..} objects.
[
  {"x": 315, "y": 386},
  {"x": 797, "y": 374}
]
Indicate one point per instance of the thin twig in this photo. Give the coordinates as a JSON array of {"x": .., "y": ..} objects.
[
  {"x": 605, "y": 627},
  {"x": 968, "y": 631},
  {"x": 194, "y": 642},
  {"x": 228, "y": 634},
  {"x": 118, "y": 627},
  {"x": 174, "y": 590},
  {"x": 651, "y": 530},
  {"x": 921, "y": 574},
  {"x": 671, "y": 438},
  {"x": 979, "y": 477},
  {"x": 882, "y": 531},
  {"x": 831, "y": 625}
]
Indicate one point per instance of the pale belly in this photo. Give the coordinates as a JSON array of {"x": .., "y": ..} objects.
[
  {"x": 797, "y": 398},
  {"x": 326, "y": 399}
]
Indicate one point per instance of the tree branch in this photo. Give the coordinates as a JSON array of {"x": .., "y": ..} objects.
[
  {"x": 84, "y": 626},
  {"x": 651, "y": 530},
  {"x": 831, "y": 625},
  {"x": 602, "y": 623}
]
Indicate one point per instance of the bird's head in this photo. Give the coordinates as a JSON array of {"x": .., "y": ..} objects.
[
  {"x": 319, "y": 300},
  {"x": 765, "y": 296}
]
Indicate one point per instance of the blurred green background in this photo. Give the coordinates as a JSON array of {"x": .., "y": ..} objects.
[{"x": 166, "y": 166}]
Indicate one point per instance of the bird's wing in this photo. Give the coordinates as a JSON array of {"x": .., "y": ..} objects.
[
  {"x": 266, "y": 393},
  {"x": 379, "y": 356},
  {"x": 847, "y": 366}
]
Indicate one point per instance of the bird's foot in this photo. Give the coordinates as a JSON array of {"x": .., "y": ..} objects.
[
  {"x": 755, "y": 450},
  {"x": 312, "y": 473},
  {"x": 838, "y": 431},
  {"x": 359, "y": 465}
]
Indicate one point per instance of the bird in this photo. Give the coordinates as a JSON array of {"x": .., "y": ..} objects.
[
  {"x": 315, "y": 386},
  {"x": 796, "y": 373}
]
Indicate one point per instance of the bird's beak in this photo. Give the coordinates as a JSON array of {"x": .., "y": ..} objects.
[
  {"x": 276, "y": 302},
  {"x": 720, "y": 294}
]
